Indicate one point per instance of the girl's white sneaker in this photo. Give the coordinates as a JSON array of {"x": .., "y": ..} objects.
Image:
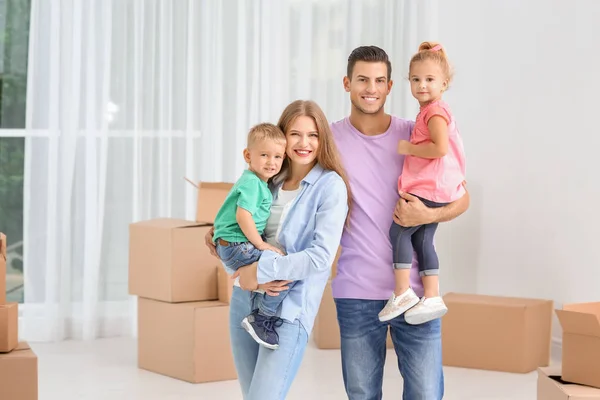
[
  {"x": 397, "y": 305},
  {"x": 427, "y": 310}
]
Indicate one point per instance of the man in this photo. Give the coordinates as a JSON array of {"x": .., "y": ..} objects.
[{"x": 367, "y": 141}]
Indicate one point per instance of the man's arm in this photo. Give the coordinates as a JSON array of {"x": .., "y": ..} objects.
[
  {"x": 410, "y": 211},
  {"x": 452, "y": 210}
]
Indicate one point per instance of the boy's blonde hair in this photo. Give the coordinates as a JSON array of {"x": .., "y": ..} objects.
[
  {"x": 265, "y": 131},
  {"x": 435, "y": 52}
]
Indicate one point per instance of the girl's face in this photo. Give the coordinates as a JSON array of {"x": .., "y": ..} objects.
[
  {"x": 427, "y": 81},
  {"x": 302, "y": 141}
]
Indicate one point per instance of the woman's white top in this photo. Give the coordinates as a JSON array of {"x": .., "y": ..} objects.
[{"x": 279, "y": 210}]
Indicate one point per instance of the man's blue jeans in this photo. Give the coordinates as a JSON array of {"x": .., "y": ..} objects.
[{"x": 418, "y": 347}]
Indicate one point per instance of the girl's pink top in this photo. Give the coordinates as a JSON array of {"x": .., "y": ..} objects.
[{"x": 438, "y": 179}]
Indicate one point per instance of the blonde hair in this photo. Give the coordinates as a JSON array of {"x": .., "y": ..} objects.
[
  {"x": 265, "y": 131},
  {"x": 327, "y": 153},
  {"x": 435, "y": 52}
]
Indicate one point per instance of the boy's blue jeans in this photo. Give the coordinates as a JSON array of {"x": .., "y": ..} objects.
[{"x": 235, "y": 255}]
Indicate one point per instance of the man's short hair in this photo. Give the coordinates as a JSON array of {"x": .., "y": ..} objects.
[{"x": 368, "y": 54}]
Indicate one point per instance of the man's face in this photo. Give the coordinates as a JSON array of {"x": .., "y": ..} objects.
[{"x": 368, "y": 86}]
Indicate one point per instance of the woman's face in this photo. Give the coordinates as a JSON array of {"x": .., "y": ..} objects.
[{"x": 302, "y": 141}]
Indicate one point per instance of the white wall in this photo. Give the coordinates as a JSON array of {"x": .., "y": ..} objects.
[{"x": 526, "y": 100}]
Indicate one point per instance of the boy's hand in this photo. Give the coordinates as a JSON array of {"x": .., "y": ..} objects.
[
  {"x": 267, "y": 246},
  {"x": 404, "y": 147}
]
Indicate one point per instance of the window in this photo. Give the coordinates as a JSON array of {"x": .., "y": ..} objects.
[{"x": 14, "y": 40}]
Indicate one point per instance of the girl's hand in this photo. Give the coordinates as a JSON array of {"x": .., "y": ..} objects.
[
  {"x": 404, "y": 147},
  {"x": 247, "y": 274}
]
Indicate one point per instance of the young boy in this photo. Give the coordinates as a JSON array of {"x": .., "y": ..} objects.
[{"x": 241, "y": 221}]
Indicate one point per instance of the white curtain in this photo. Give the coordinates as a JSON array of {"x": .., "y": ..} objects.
[{"x": 126, "y": 97}]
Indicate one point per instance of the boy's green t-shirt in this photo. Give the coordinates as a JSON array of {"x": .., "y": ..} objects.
[{"x": 250, "y": 193}]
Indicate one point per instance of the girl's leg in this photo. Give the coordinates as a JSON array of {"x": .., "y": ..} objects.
[
  {"x": 431, "y": 305},
  {"x": 244, "y": 348},
  {"x": 276, "y": 369},
  {"x": 403, "y": 297},
  {"x": 402, "y": 255},
  {"x": 429, "y": 264}
]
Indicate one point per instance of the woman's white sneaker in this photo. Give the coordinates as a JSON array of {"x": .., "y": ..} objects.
[
  {"x": 427, "y": 310},
  {"x": 398, "y": 305}
]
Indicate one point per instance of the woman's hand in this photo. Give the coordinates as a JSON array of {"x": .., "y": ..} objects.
[
  {"x": 273, "y": 288},
  {"x": 247, "y": 275},
  {"x": 208, "y": 240},
  {"x": 248, "y": 281}
]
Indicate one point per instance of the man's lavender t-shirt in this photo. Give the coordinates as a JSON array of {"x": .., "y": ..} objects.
[{"x": 373, "y": 166}]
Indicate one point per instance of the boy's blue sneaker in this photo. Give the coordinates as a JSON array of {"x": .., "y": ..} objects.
[{"x": 262, "y": 329}]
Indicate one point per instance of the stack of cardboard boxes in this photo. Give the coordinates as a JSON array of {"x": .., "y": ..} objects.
[
  {"x": 18, "y": 363},
  {"x": 183, "y": 310}
]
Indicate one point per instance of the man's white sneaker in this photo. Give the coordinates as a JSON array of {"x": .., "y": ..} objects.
[
  {"x": 397, "y": 305},
  {"x": 427, "y": 310}
]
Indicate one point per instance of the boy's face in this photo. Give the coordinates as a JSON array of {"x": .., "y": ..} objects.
[
  {"x": 265, "y": 158},
  {"x": 368, "y": 87}
]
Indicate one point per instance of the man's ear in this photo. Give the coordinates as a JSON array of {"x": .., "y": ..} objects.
[{"x": 346, "y": 83}]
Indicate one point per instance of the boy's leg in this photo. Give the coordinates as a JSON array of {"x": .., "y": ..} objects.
[
  {"x": 262, "y": 324},
  {"x": 269, "y": 304},
  {"x": 419, "y": 351},
  {"x": 236, "y": 255},
  {"x": 363, "y": 347}
]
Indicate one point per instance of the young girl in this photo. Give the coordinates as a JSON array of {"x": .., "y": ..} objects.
[{"x": 434, "y": 171}]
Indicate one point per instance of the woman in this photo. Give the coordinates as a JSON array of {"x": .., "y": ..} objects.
[{"x": 311, "y": 203}]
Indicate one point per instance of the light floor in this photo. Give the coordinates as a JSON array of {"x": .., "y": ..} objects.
[{"x": 106, "y": 369}]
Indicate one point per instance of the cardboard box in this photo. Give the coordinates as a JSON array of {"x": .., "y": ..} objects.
[
  {"x": 187, "y": 341},
  {"x": 19, "y": 374},
  {"x": 581, "y": 343},
  {"x": 2, "y": 268},
  {"x": 169, "y": 261},
  {"x": 211, "y": 197},
  {"x": 225, "y": 286},
  {"x": 496, "y": 333},
  {"x": 550, "y": 386},
  {"x": 9, "y": 325},
  {"x": 326, "y": 330}
]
